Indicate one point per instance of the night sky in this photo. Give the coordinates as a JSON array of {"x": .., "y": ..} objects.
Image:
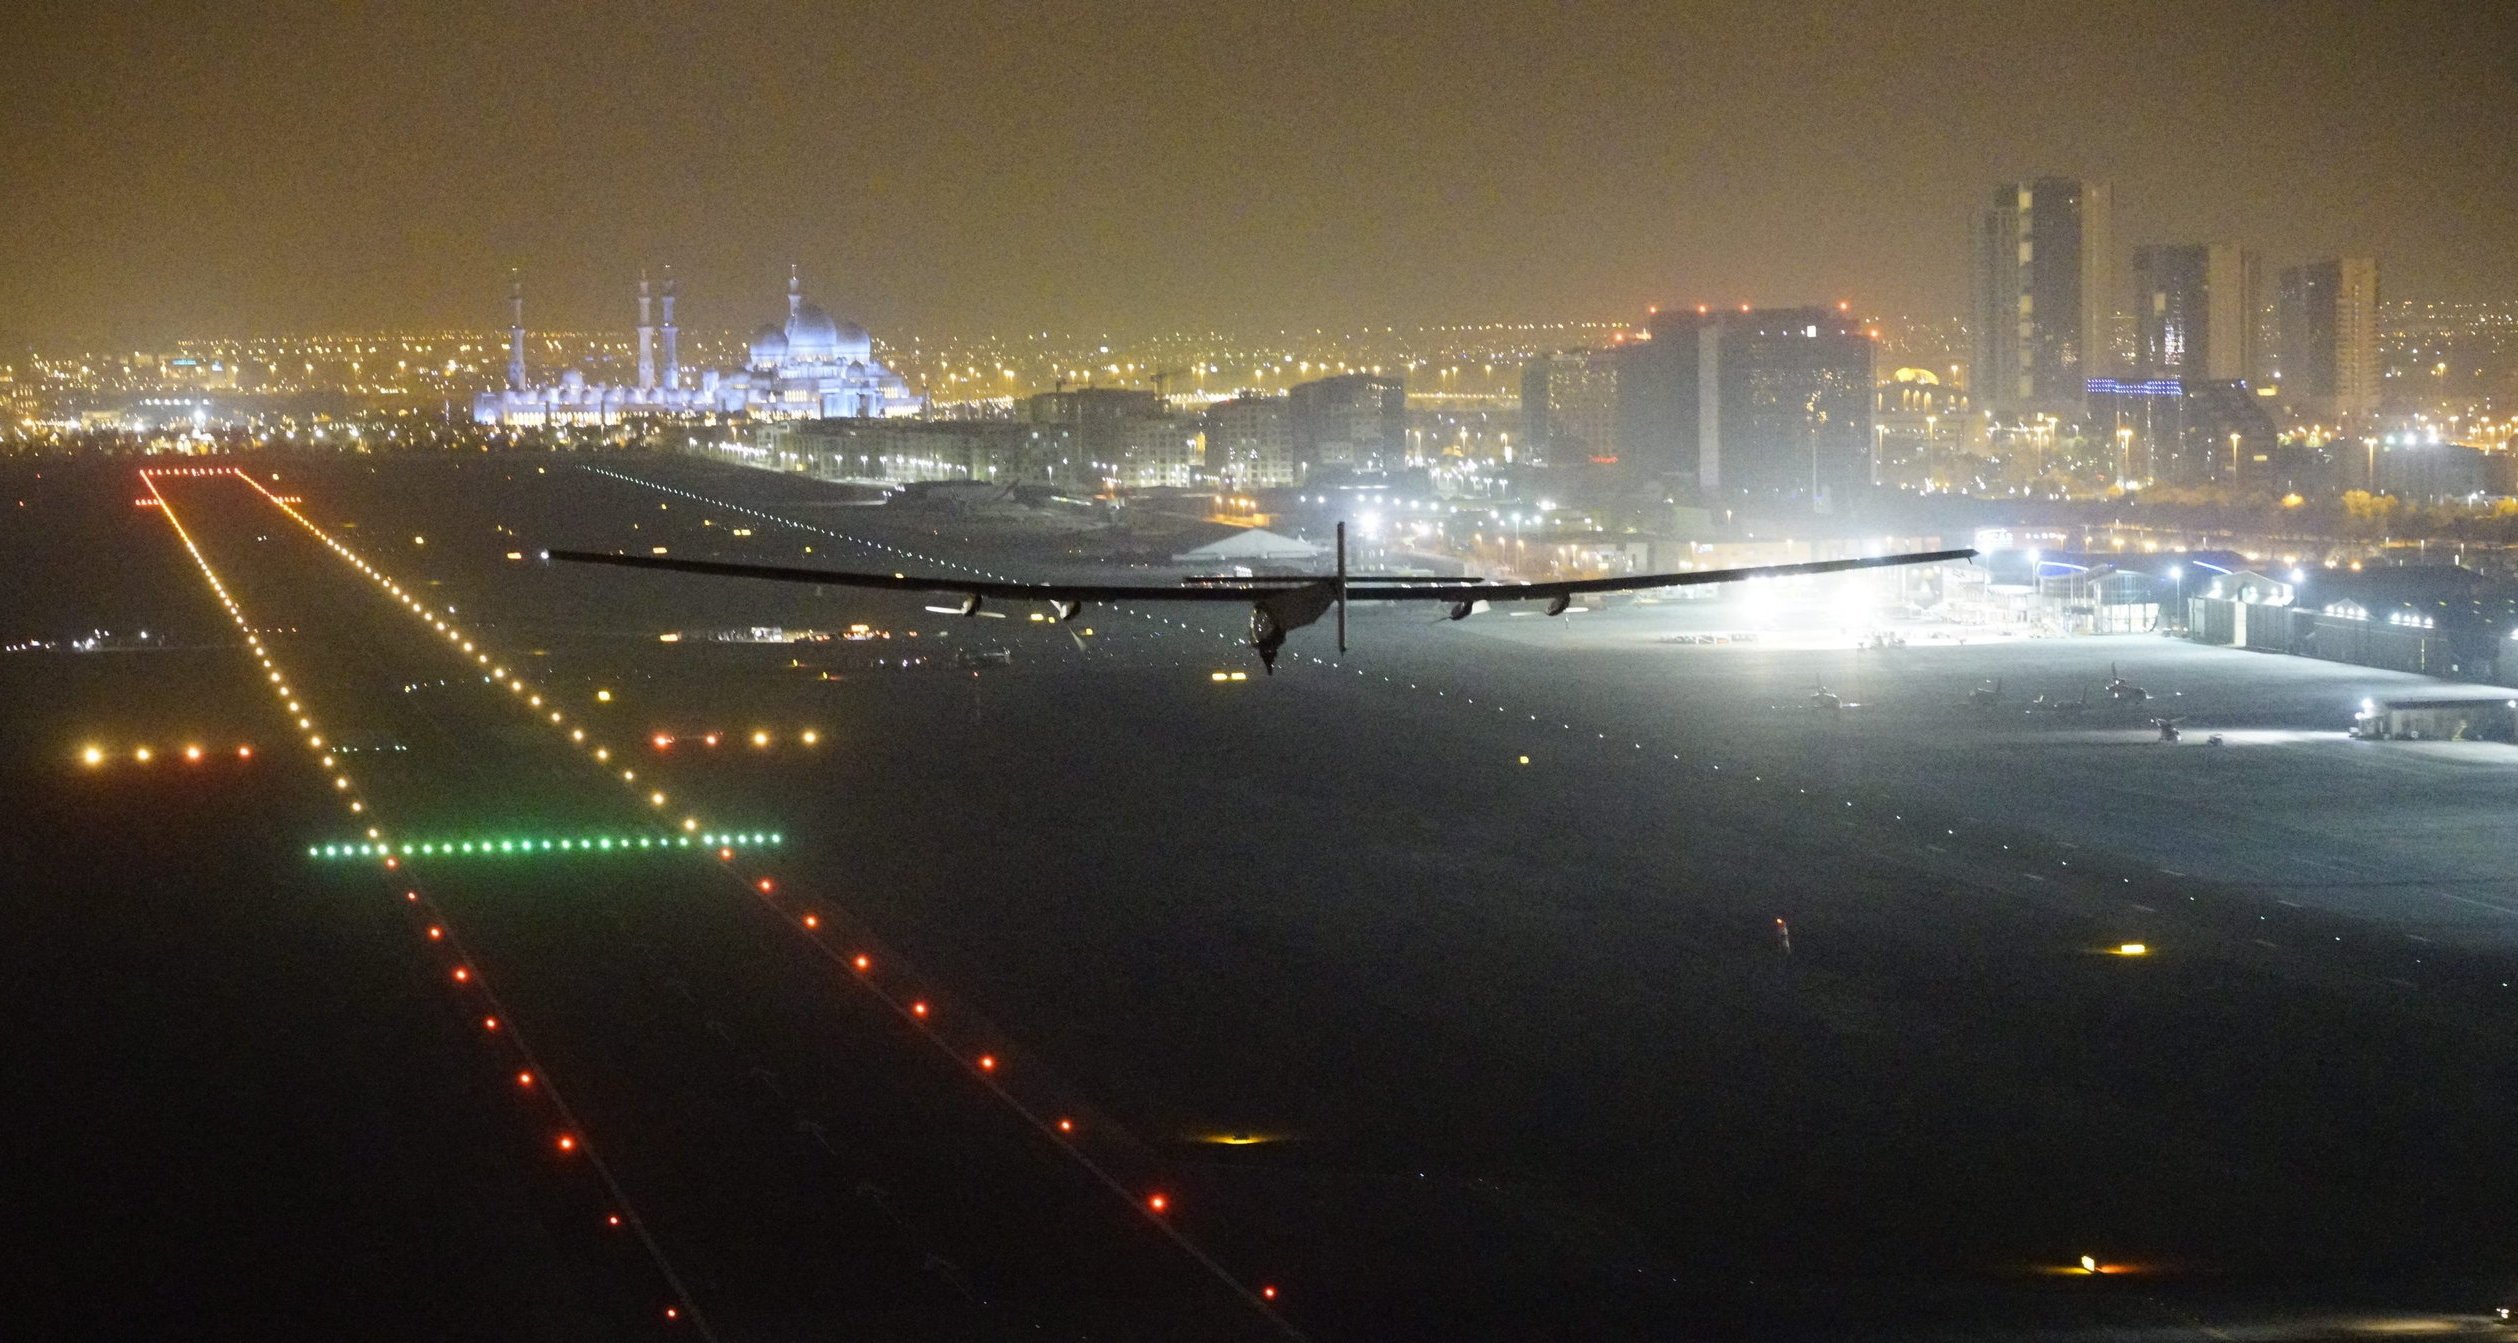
[{"x": 944, "y": 168}]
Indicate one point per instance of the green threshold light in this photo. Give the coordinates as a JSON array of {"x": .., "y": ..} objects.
[{"x": 510, "y": 846}]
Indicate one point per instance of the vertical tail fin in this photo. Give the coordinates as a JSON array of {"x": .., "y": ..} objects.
[{"x": 1341, "y": 588}]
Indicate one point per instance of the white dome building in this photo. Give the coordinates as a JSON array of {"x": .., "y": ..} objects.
[
  {"x": 812, "y": 337},
  {"x": 769, "y": 347},
  {"x": 812, "y": 367}
]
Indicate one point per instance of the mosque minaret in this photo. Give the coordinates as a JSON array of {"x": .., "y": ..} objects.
[
  {"x": 672, "y": 348},
  {"x": 515, "y": 333},
  {"x": 811, "y": 367},
  {"x": 646, "y": 337}
]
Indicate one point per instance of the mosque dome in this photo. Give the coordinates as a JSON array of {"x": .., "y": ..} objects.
[
  {"x": 769, "y": 346},
  {"x": 812, "y": 337}
]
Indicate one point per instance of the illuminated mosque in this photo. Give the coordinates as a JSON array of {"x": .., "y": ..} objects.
[{"x": 812, "y": 367}]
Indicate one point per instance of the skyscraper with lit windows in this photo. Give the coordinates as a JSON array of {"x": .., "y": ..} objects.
[
  {"x": 2327, "y": 314},
  {"x": 2194, "y": 312},
  {"x": 2044, "y": 280}
]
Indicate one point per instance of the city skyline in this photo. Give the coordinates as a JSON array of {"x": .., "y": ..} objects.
[
  {"x": 1343, "y": 672},
  {"x": 954, "y": 170}
]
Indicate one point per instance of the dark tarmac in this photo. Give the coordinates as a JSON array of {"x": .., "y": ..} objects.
[{"x": 1522, "y": 1049}]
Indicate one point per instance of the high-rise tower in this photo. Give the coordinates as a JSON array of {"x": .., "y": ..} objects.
[
  {"x": 2044, "y": 279},
  {"x": 2194, "y": 312},
  {"x": 2328, "y": 317}
]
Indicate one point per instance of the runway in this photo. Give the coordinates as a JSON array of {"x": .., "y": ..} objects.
[{"x": 1518, "y": 1046}]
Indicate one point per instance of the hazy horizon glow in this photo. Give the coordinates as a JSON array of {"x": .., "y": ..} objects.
[{"x": 195, "y": 171}]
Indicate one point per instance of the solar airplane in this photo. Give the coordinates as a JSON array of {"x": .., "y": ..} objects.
[{"x": 1278, "y": 605}]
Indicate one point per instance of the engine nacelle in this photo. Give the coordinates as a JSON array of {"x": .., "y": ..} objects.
[
  {"x": 1267, "y": 635},
  {"x": 1065, "y": 611},
  {"x": 970, "y": 605},
  {"x": 1557, "y": 605},
  {"x": 1285, "y": 610}
]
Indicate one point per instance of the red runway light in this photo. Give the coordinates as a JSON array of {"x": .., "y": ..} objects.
[
  {"x": 765, "y": 886},
  {"x": 489, "y": 1023},
  {"x": 918, "y": 1009},
  {"x": 863, "y": 963},
  {"x": 987, "y": 1063},
  {"x": 192, "y": 755},
  {"x": 392, "y": 863},
  {"x": 524, "y": 1079},
  {"x": 463, "y": 974},
  {"x": 612, "y": 1219},
  {"x": 662, "y": 741},
  {"x": 673, "y": 1312},
  {"x": 568, "y": 1142},
  {"x": 1268, "y": 1292},
  {"x": 726, "y": 854},
  {"x": 812, "y": 920},
  {"x": 1066, "y": 1125},
  {"x": 435, "y": 932},
  {"x": 711, "y": 739},
  {"x": 1158, "y": 1203},
  {"x": 412, "y": 896}
]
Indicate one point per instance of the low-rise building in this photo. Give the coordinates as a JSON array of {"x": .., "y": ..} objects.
[
  {"x": 1005, "y": 451},
  {"x": 1250, "y": 443}
]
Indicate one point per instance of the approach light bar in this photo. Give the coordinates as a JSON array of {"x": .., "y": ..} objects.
[{"x": 512, "y": 846}]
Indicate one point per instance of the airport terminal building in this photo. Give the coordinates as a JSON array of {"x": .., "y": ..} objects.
[{"x": 2436, "y": 620}]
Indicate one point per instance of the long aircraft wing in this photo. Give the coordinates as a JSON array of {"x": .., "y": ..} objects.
[
  {"x": 1359, "y": 587},
  {"x": 1277, "y": 605}
]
